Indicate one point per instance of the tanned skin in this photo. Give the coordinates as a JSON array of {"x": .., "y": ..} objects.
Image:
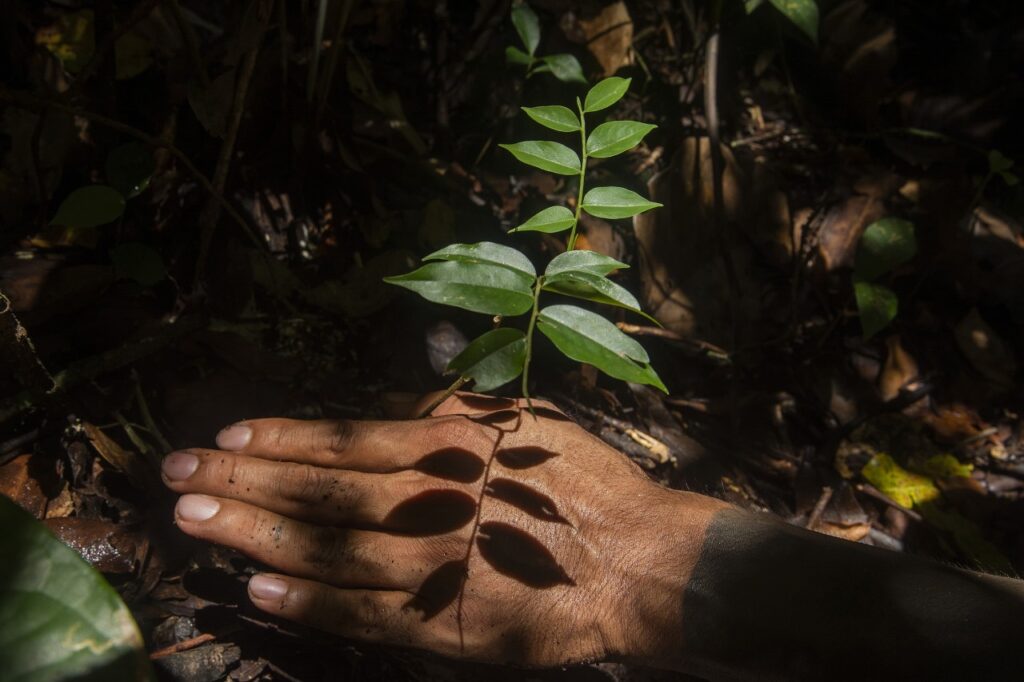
[{"x": 485, "y": 533}]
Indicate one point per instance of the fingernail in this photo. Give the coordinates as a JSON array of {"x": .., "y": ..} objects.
[
  {"x": 234, "y": 437},
  {"x": 197, "y": 507},
  {"x": 265, "y": 587},
  {"x": 178, "y": 466}
]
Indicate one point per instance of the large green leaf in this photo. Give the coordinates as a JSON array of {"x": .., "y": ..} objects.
[
  {"x": 492, "y": 359},
  {"x": 606, "y": 93},
  {"x": 550, "y": 156},
  {"x": 581, "y": 259},
  {"x": 615, "y": 137},
  {"x": 480, "y": 287},
  {"x": 59, "y": 619},
  {"x": 486, "y": 252},
  {"x": 555, "y": 117},
  {"x": 90, "y": 207},
  {"x": 591, "y": 287},
  {"x": 565, "y": 68},
  {"x": 615, "y": 202},
  {"x": 877, "y": 306},
  {"x": 129, "y": 168},
  {"x": 527, "y": 26},
  {"x": 587, "y": 337},
  {"x": 803, "y": 13},
  {"x": 885, "y": 244},
  {"x": 550, "y": 220}
]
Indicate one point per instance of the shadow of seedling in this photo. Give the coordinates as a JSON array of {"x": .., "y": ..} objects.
[{"x": 509, "y": 550}]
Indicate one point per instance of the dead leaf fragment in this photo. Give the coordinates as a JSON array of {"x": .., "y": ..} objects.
[
  {"x": 985, "y": 350},
  {"x": 18, "y": 484},
  {"x": 609, "y": 37}
]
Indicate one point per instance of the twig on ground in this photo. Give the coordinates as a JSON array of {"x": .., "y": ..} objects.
[
  {"x": 182, "y": 646},
  {"x": 872, "y": 491},
  {"x": 696, "y": 345},
  {"x": 18, "y": 352},
  {"x": 819, "y": 508}
]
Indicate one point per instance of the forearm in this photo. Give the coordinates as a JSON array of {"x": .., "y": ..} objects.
[{"x": 765, "y": 600}]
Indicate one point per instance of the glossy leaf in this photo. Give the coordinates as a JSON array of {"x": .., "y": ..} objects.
[
  {"x": 492, "y": 359},
  {"x": 592, "y": 287},
  {"x": 615, "y": 202},
  {"x": 751, "y": 5},
  {"x": 565, "y": 68},
  {"x": 90, "y": 207},
  {"x": 615, "y": 137},
  {"x": 59, "y": 619},
  {"x": 552, "y": 219},
  {"x": 554, "y": 117},
  {"x": 885, "y": 244},
  {"x": 606, "y": 93},
  {"x": 486, "y": 252},
  {"x": 527, "y": 26},
  {"x": 587, "y": 337},
  {"x": 803, "y": 14},
  {"x": 513, "y": 55},
  {"x": 580, "y": 259},
  {"x": 129, "y": 168},
  {"x": 877, "y": 306},
  {"x": 481, "y": 288},
  {"x": 550, "y": 156}
]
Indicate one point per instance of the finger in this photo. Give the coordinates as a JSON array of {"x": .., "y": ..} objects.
[
  {"x": 475, "y": 403},
  {"x": 339, "y": 556},
  {"x": 357, "y": 445},
  {"x": 300, "y": 491},
  {"x": 389, "y": 617}
]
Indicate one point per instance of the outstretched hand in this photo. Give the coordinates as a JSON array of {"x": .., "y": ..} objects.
[{"x": 480, "y": 532}]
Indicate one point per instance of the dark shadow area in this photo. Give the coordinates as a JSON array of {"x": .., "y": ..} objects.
[
  {"x": 453, "y": 464},
  {"x": 432, "y": 513},
  {"x": 525, "y": 498},
  {"x": 523, "y": 457},
  {"x": 440, "y": 589},
  {"x": 518, "y": 555}
]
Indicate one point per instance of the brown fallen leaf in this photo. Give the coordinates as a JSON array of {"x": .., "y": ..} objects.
[
  {"x": 985, "y": 350},
  {"x": 129, "y": 463},
  {"x": 898, "y": 371},
  {"x": 609, "y": 37},
  {"x": 105, "y": 545},
  {"x": 18, "y": 484}
]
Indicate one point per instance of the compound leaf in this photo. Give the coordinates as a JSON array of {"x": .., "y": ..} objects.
[
  {"x": 59, "y": 619},
  {"x": 885, "y": 244},
  {"x": 554, "y": 117},
  {"x": 615, "y": 202},
  {"x": 877, "y": 306},
  {"x": 587, "y": 337},
  {"x": 513, "y": 55},
  {"x": 486, "y": 252},
  {"x": 479, "y": 287},
  {"x": 803, "y": 14},
  {"x": 606, "y": 93},
  {"x": 493, "y": 359},
  {"x": 550, "y": 156},
  {"x": 565, "y": 68},
  {"x": 527, "y": 26},
  {"x": 90, "y": 207},
  {"x": 580, "y": 259},
  {"x": 552, "y": 219},
  {"x": 615, "y": 137}
]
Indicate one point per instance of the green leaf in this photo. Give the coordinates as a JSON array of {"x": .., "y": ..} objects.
[
  {"x": 751, "y": 5},
  {"x": 527, "y": 26},
  {"x": 550, "y": 220},
  {"x": 997, "y": 162},
  {"x": 59, "y": 619},
  {"x": 138, "y": 262},
  {"x": 487, "y": 253},
  {"x": 615, "y": 202},
  {"x": 565, "y": 68},
  {"x": 90, "y": 207},
  {"x": 580, "y": 259},
  {"x": 905, "y": 487},
  {"x": 555, "y": 117},
  {"x": 877, "y": 305},
  {"x": 606, "y": 93},
  {"x": 587, "y": 337},
  {"x": 481, "y": 288},
  {"x": 885, "y": 244},
  {"x": 593, "y": 287},
  {"x": 550, "y": 156},
  {"x": 513, "y": 55},
  {"x": 129, "y": 168},
  {"x": 493, "y": 359},
  {"x": 803, "y": 13},
  {"x": 615, "y": 137}
]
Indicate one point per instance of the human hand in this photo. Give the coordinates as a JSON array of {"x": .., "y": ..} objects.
[{"x": 480, "y": 532}]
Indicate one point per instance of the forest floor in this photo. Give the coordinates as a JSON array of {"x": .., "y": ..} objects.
[{"x": 244, "y": 277}]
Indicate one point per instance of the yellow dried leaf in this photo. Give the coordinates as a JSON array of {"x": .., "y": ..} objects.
[{"x": 904, "y": 487}]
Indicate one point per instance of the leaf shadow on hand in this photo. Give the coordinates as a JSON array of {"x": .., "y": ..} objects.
[{"x": 510, "y": 551}]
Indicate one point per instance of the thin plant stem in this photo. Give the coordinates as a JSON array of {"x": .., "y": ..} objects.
[
  {"x": 448, "y": 393},
  {"x": 583, "y": 173},
  {"x": 529, "y": 341}
]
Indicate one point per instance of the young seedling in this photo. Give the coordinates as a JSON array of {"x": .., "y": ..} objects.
[
  {"x": 564, "y": 67},
  {"x": 501, "y": 281}
]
